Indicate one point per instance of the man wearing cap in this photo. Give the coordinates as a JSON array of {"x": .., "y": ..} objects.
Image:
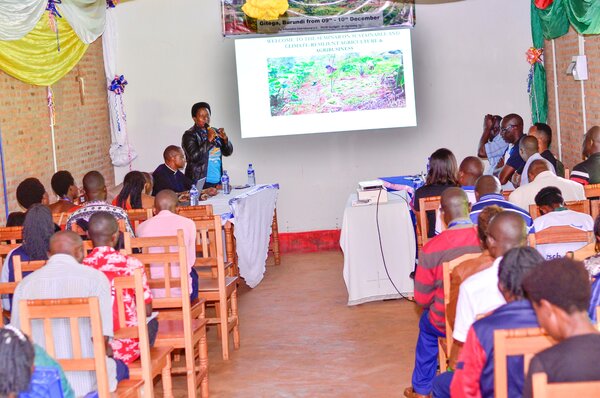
[{"x": 204, "y": 147}]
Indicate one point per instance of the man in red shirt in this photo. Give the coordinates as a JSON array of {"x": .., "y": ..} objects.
[
  {"x": 104, "y": 232},
  {"x": 460, "y": 238}
]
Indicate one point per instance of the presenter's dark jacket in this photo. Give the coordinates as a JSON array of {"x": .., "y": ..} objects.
[
  {"x": 196, "y": 147},
  {"x": 165, "y": 178}
]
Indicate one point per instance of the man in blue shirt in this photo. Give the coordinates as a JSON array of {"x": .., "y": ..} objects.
[
  {"x": 488, "y": 193},
  {"x": 512, "y": 133}
]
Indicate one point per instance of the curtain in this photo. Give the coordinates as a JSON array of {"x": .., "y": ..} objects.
[
  {"x": 19, "y": 17},
  {"x": 556, "y": 16},
  {"x": 538, "y": 96},
  {"x": 34, "y": 59}
]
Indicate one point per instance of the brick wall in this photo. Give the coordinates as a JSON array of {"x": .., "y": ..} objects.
[
  {"x": 569, "y": 94},
  {"x": 82, "y": 130}
]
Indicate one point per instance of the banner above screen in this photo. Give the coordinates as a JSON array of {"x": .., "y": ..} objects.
[
  {"x": 325, "y": 83},
  {"x": 309, "y": 16}
]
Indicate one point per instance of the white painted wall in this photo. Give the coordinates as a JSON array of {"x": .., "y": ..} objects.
[{"x": 469, "y": 59}]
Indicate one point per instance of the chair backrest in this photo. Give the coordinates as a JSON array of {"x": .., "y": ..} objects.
[
  {"x": 581, "y": 206},
  {"x": 134, "y": 283},
  {"x": 506, "y": 194},
  {"x": 9, "y": 288},
  {"x": 165, "y": 252},
  {"x": 561, "y": 234},
  {"x": 209, "y": 233},
  {"x": 11, "y": 235},
  {"x": 431, "y": 203},
  {"x": 592, "y": 190},
  {"x": 60, "y": 219},
  {"x": 138, "y": 216},
  {"x": 448, "y": 267},
  {"x": 73, "y": 309},
  {"x": 595, "y": 208},
  {"x": 21, "y": 267},
  {"x": 5, "y": 249},
  {"x": 580, "y": 389},
  {"x": 515, "y": 342},
  {"x": 195, "y": 211}
]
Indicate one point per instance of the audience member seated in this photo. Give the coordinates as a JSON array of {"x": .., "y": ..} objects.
[
  {"x": 442, "y": 174},
  {"x": 63, "y": 277},
  {"x": 95, "y": 195},
  {"x": 512, "y": 132},
  {"x": 543, "y": 133},
  {"x": 588, "y": 171},
  {"x": 132, "y": 195},
  {"x": 541, "y": 177},
  {"x": 592, "y": 264},
  {"x": 474, "y": 373},
  {"x": 104, "y": 233},
  {"x": 458, "y": 239},
  {"x": 23, "y": 365},
  {"x": 63, "y": 185},
  {"x": 479, "y": 294},
  {"x": 529, "y": 151},
  {"x": 491, "y": 145},
  {"x": 555, "y": 214},
  {"x": 560, "y": 293},
  {"x": 467, "y": 268},
  {"x": 168, "y": 175},
  {"x": 31, "y": 191},
  {"x": 15, "y": 219},
  {"x": 488, "y": 193},
  {"x": 37, "y": 231},
  {"x": 166, "y": 223},
  {"x": 471, "y": 168}
]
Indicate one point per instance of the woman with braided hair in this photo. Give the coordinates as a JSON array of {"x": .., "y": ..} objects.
[{"x": 16, "y": 362}]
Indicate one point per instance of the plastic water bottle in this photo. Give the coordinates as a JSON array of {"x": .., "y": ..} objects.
[
  {"x": 251, "y": 176},
  {"x": 194, "y": 195},
  {"x": 225, "y": 183}
]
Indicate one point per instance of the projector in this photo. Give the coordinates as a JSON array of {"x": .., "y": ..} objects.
[{"x": 372, "y": 192}]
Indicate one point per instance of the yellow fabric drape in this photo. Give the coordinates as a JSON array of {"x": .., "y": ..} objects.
[{"x": 34, "y": 59}]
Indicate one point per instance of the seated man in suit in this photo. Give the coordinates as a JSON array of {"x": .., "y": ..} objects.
[{"x": 169, "y": 176}]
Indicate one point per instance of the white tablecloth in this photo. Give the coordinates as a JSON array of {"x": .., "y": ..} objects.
[
  {"x": 251, "y": 210},
  {"x": 364, "y": 272}
]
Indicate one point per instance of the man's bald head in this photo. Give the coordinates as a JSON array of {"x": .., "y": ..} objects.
[
  {"x": 536, "y": 167},
  {"x": 591, "y": 142},
  {"x": 67, "y": 242},
  {"x": 528, "y": 147},
  {"x": 165, "y": 200},
  {"x": 103, "y": 229},
  {"x": 487, "y": 185},
  {"x": 506, "y": 231},
  {"x": 471, "y": 168},
  {"x": 455, "y": 204},
  {"x": 94, "y": 186}
]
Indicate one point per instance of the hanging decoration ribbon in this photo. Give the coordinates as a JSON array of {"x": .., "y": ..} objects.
[
  {"x": 52, "y": 15},
  {"x": 111, "y": 3},
  {"x": 265, "y": 10},
  {"x": 51, "y": 109},
  {"x": 534, "y": 56}
]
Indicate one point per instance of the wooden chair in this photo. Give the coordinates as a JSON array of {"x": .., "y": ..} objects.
[
  {"x": 562, "y": 234},
  {"x": 22, "y": 268},
  {"x": 515, "y": 342},
  {"x": 153, "y": 361},
  {"x": 445, "y": 344},
  {"x": 595, "y": 208},
  {"x": 581, "y": 206},
  {"x": 184, "y": 332},
  {"x": 592, "y": 191},
  {"x": 580, "y": 389},
  {"x": 567, "y": 173},
  {"x": 60, "y": 219},
  {"x": 195, "y": 211},
  {"x": 5, "y": 249},
  {"x": 506, "y": 194},
  {"x": 138, "y": 216},
  {"x": 73, "y": 309},
  {"x": 222, "y": 290},
  {"x": 11, "y": 235},
  {"x": 431, "y": 203},
  {"x": 9, "y": 288}
]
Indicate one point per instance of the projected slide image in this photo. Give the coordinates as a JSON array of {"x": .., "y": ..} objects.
[{"x": 343, "y": 82}]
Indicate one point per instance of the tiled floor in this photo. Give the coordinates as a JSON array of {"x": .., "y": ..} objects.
[{"x": 300, "y": 339}]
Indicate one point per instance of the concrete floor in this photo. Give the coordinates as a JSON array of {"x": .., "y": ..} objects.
[{"x": 300, "y": 339}]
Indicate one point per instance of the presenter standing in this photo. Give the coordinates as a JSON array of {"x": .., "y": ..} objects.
[{"x": 204, "y": 147}]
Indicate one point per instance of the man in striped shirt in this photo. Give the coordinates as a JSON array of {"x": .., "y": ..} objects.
[
  {"x": 460, "y": 238},
  {"x": 488, "y": 193}
]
